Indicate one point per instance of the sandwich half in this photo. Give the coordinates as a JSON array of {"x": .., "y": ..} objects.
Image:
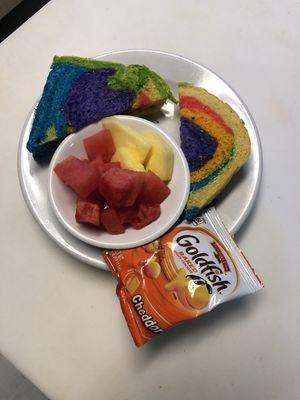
[
  {"x": 81, "y": 91},
  {"x": 215, "y": 142}
]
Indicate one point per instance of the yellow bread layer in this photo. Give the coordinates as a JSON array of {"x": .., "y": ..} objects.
[{"x": 151, "y": 92}]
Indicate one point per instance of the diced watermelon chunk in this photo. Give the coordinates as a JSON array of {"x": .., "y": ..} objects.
[
  {"x": 78, "y": 175},
  {"x": 146, "y": 214},
  {"x": 111, "y": 221},
  {"x": 100, "y": 144},
  {"x": 120, "y": 187},
  {"x": 95, "y": 197},
  {"x": 127, "y": 214},
  {"x": 97, "y": 162},
  {"x": 105, "y": 167},
  {"x": 155, "y": 191},
  {"x": 87, "y": 212}
]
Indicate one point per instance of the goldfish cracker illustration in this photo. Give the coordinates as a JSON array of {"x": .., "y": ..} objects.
[
  {"x": 152, "y": 269},
  {"x": 152, "y": 247},
  {"x": 197, "y": 296},
  {"x": 180, "y": 280},
  {"x": 190, "y": 270},
  {"x": 132, "y": 283}
]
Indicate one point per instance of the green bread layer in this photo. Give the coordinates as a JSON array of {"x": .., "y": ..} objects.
[
  {"x": 136, "y": 76},
  {"x": 89, "y": 63},
  {"x": 184, "y": 84},
  {"x": 132, "y": 77}
]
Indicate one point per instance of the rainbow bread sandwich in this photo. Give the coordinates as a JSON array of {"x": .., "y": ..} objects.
[
  {"x": 214, "y": 141},
  {"x": 80, "y": 91}
]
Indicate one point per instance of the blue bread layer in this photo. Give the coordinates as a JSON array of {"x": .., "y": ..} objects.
[
  {"x": 192, "y": 213},
  {"x": 49, "y": 110}
]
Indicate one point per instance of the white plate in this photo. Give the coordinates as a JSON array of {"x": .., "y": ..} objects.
[
  {"x": 63, "y": 199},
  {"x": 233, "y": 206}
]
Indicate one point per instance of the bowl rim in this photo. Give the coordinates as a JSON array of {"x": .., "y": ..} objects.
[{"x": 141, "y": 240}]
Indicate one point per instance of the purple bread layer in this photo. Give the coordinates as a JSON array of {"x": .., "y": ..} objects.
[
  {"x": 90, "y": 99},
  {"x": 197, "y": 145}
]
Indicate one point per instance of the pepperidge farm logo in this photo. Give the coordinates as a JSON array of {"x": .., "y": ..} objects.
[{"x": 201, "y": 255}]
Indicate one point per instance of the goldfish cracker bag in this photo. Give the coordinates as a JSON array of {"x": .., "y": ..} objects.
[{"x": 185, "y": 273}]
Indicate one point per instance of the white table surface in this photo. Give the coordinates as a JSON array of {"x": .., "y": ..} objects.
[{"x": 60, "y": 321}]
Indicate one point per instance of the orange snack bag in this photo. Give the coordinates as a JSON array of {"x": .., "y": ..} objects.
[{"x": 185, "y": 273}]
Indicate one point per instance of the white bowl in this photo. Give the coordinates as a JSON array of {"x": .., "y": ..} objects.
[{"x": 63, "y": 199}]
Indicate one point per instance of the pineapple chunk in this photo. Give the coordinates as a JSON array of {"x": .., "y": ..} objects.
[
  {"x": 160, "y": 159},
  {"x": 129, "y": 158},
  {"x": 124, "y": 136}
]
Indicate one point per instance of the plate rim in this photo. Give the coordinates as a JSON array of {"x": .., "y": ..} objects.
[{"x": 100, "y": 263}]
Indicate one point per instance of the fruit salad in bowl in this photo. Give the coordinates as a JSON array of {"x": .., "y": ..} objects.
[{"x": 119, "y": 183}]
